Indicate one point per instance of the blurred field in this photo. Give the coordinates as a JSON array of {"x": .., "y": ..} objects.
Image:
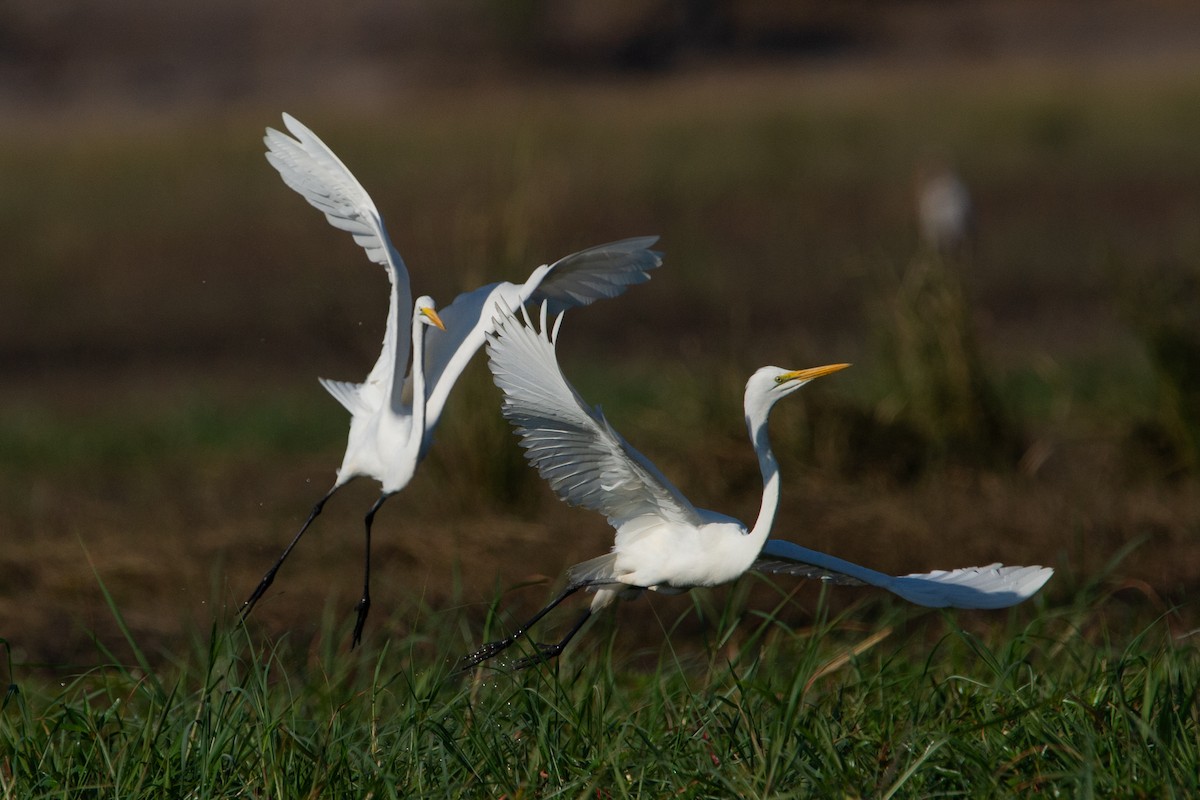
[{"x": 168, "y": 305}]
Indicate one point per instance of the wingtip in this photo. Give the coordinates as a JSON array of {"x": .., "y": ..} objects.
[
  {"x": 294, "y": 125},
  {"x": 644, "y": 242},
  {"x": 994, "y": 586},
  {"x": 289, "y": 122},
  {"x": 1039, "y": 578}
]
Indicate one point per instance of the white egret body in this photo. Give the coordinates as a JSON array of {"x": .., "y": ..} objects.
[
  {"x": 945, "y": 213},
  {"x": 393, "y": 416},
  {"x": 663, "y": 543}
]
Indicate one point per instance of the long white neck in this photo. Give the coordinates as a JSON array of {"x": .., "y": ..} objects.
[
  {"x": 756, "y": 424},
  {"x": 416, "y": 438}
]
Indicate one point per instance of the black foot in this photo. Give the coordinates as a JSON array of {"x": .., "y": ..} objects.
[
  {"x": 489, "y": 650},
  {"x": 545, "y": 652},
  {"x": 263, "y": 585},
  {"x": 363, "y": 607}
]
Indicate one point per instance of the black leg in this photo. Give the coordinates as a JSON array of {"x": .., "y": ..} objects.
[
  {"x": 269, "y": 578},
  {"x": 491, "y": 649},
  {"x": 549, "y": 651},
  {"x": 364, "y": 604}
]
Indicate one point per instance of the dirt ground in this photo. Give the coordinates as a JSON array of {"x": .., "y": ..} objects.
[{"x": 180, "y": 546}]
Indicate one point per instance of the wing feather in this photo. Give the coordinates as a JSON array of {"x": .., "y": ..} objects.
[
  {"x": 600, "y": 272},
  {"x": 311, "y": 169},
  {"x": 993, "y": 586},
  {"x": 573, "y": 447},
  {"x": 348, "y": 394}
]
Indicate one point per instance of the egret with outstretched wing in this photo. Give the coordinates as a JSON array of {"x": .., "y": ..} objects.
[
  {"x": 664, "y": 543},
  {"x": 392, "y": 417}
]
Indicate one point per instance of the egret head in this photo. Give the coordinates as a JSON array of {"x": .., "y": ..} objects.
[
  {"x": 425, "y": 312},
  {"x": 770, "y": 384}
]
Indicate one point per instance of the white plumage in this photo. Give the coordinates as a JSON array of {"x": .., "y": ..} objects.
[
  {"x": 993, "y": 586},
  {"x": 944, "y": 210},
  {"x": 394, "y": 414},
  {"x": 662, "y": 542}
]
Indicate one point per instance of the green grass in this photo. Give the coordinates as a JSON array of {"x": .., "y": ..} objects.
[
  {"x": 146, "y": 259},
  {"x": 906, "y": 705},
  {"x": 45, "y": 440}
]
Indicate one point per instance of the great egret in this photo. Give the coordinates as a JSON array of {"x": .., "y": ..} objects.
[
  {"x": 944, "y": 211},
  {"x": 392, "y": 417},
  {"x": 663, "y": 542}
]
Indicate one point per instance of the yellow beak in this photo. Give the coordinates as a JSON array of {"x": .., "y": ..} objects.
[
  {"x": 433, "y": 317},
  {"x": 811, "y": 373}
]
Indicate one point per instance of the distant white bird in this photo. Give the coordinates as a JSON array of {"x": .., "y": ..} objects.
[
  {"x": 944, "y": 211},
  {"x": 392, "y": 417},
  {"x": 663, "y": 542}
]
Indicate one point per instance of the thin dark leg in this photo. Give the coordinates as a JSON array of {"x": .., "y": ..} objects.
[
  {"x": 491, "y": 649},
  {"x": 364, "y": 604},
  {"x": 549, "y": 651},
  {"x": 269, "y": 578}
]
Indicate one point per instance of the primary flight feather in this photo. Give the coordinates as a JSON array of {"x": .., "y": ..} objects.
[
  {"x": 394, "y": 412},
  {"x": 662, "y": 542}
]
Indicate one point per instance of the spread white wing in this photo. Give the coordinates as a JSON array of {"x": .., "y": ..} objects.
[
  {"x": 579, "y": 279},
  {"x": 309, "y": 167},
  {"x": 573, "y": 447},
  {"x": 600, "y": 272},
  {"x": 993, "y": 586}
]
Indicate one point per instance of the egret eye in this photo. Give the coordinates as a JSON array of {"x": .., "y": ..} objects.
[{"x": 779, "y": 379}]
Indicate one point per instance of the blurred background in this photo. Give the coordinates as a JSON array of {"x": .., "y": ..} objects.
[{"x": 992, "y": 208}]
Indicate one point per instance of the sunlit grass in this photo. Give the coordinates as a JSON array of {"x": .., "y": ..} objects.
[
  {"x": 175, "y": 250},
  {"x": 1052, "y": 702}
]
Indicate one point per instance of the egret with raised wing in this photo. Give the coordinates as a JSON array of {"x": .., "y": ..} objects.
[
  {"x": 664, "y": 543},
  {"x": 393, "y": 416}
]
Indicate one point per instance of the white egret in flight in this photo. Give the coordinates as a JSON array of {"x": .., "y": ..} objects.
[
  {"x": 663, "y": 542},
  {"x": 392, "y": 417}
]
